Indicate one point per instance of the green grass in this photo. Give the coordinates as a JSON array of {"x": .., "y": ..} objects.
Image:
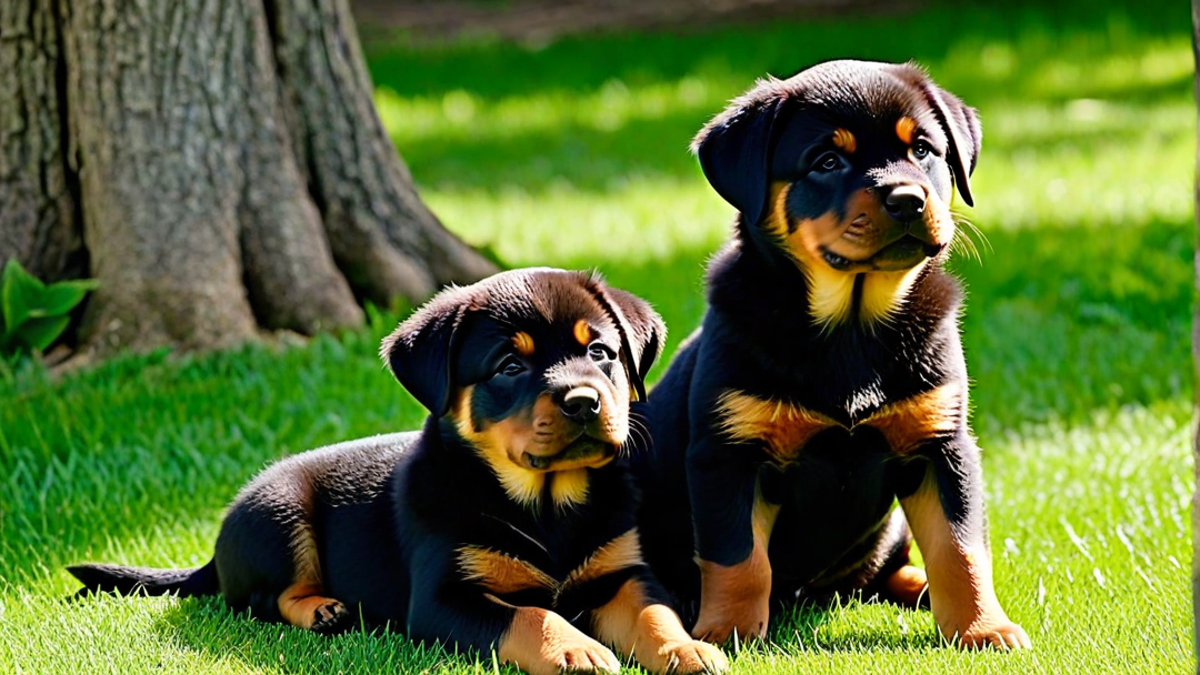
[{"x": 573, "y": 154}]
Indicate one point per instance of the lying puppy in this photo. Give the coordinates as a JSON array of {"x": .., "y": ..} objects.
[
  {"x": 507, "y": 523},
  {"x": 828, "y": 377}
]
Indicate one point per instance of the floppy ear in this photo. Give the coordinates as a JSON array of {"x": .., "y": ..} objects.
[
  {"x": 420, "y": 352},
  {"x": 734, "y": 150},
  {"x": 642, "y": 331},
  {"x": 961, "y": 123}
]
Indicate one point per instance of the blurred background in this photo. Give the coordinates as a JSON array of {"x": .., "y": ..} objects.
[{"x": 558, "y": 132}]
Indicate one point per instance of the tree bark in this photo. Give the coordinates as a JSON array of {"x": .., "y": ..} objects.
[
  {"x": 218, "y": 166},
  {"x": 39, "y": 223}
]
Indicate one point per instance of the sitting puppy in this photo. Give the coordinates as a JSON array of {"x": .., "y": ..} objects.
[
  {"x": 507, "y": 523},
  {"x": 828, "y": 377}
]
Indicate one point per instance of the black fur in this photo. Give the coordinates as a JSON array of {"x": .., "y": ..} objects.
[
  {"x": 388, "y": 515},
  {"x": 760, "y": 337}
]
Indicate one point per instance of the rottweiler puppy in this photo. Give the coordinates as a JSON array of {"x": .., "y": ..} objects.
[
  {"x": 827, "y": 379},
  {"x": 507, "y": 523}
]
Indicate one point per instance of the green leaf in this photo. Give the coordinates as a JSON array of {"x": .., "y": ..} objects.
[
  {"x": 19, "y": 291},
  {"x": 39, "y": 333},
  {"x": 61, "y": 297}
]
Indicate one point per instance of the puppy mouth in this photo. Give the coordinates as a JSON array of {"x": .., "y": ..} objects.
[
  {"x": 583, "y": 452},
  {"x": 901, "y": 254}
]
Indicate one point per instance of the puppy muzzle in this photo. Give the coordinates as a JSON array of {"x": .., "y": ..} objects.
[{"x": 583, "y": 452}]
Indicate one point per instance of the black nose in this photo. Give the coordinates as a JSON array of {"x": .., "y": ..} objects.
[
  {"x": 905, "y": 203},
  {"x": 581, "y": 404}
]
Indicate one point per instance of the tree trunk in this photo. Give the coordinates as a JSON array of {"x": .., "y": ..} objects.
[{"x": 218, "y": 166}]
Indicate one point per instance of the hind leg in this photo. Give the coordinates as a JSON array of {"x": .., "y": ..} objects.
[
  {"x": 305, "y": 606},
  {"x": 267, "y": 556},
  {"x": 898, "y": 580}
]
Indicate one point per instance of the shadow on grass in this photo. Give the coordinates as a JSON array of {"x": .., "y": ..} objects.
[
  {"x": 809, "y": 625},
  {"x": 208, "y": 626}
]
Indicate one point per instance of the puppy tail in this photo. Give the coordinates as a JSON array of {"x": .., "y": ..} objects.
[{"x": 151, "y": 581}]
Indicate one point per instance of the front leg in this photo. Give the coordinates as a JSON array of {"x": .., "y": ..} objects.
[
  {"x": 451, "y": 610},
  {"x": 637, "y": 622},
  {"x": 733, "y": 527},
  {"x": 541, "y": 642},
  {"x": 946, "y": 516}
]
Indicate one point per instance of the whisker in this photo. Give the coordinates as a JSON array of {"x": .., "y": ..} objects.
[
  {"x": 964, "y": 238},
  {"x": 639, "y": 433}
]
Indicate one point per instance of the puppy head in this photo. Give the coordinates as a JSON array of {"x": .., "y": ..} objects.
[
  {"x": 534, "y": 368},
  {"x": 846, "y": 168}
]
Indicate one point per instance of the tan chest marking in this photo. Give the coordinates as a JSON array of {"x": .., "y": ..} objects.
[
  {"x": 502, "y": 574},
  {"x": 785, "y": 428},
  {"x": 910, "y": 423},
  {"x": 618, "y": 554},
  {"x": 499, "y": 572}
]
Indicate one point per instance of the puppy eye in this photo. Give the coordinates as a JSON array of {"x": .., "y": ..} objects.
[
  {"x": 599, "y": 352},
  {"x": 511, "y": 367},
  {"x": 921, "y": 150},
  {"x": 827, "y": 162}
]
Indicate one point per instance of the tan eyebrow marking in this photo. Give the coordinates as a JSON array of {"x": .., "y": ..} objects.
[
  {"x": 905, "y": 127},
  {"x": 583, "y": 332},
  {"x": 845, "y": 140},
  {"x": 524, "y": 343}
]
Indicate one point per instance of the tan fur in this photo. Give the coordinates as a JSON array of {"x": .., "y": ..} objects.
[
  {"x": 523, "y": 343},
  {"x": 843, "y": 139},
  {"x": 569, "y": 488},
  {"x": 540, "y": 431},
  {"x": 737, "y": 598},
  {"x": 653, "y": 634},
  {"x": 907, "y": 584},
  {"x": 906, "y": 127},
  {"x": 620, "y": 553},
  {"x": 302, "y": 604},
  {"x": 496, "y": 443},
  {"x": 582, "y": 332},
  {"x": 938, "y": 220},
  {"x": 541, "y": 642},
  {"x": 500, "y": 573},
  {"x": 304, "y": 551},
  {"x": 783, "y": 427},
  {"x": 884, "y": 293},
  {"x": 961, "y": 593},
  {"x": 910, "y": 423},
  {"x": 831, "y": 291}
]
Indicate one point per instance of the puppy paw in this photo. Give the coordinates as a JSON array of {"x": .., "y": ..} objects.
[
  {"x": 1001, "y": 635},
  {"x": 694, "y": 656},
  {"x": 585, "y": 655},
  {"x": 748, "y": 620},
  {"x": 330, "y": 617}
]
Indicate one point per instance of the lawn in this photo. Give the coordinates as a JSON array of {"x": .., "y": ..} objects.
[{"x": 574, "y": 154}]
